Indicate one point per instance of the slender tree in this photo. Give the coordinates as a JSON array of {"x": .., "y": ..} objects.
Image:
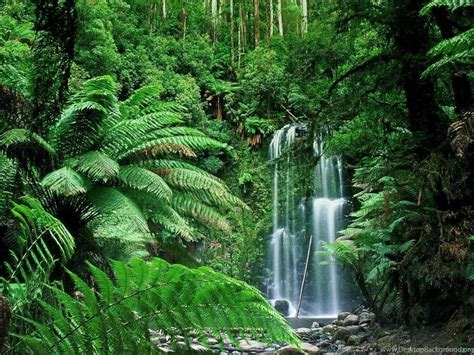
[
  {"x": 304, "y": 18},
  {"x": 232, "y": 55},
  {"x": 256, "y": 21},
  {"x": 270, "y": 27},
  {"x": 214, "y": 15},
  {"x": 280, "y": 17}
]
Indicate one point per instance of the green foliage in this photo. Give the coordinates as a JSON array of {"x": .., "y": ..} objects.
[
  {"x": 41, "y": 240},
  {"x": 454, "y": 52},
  {"x": 118, "y": 315},
  {"x": 450, "y": 4}
]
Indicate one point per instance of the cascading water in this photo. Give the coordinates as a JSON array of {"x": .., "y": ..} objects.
[{"x": 296, "y": 219}]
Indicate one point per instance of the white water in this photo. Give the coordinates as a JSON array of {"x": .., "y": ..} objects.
[{"x": 295, "y": 219}]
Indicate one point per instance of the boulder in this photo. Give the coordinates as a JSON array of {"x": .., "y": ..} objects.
[
  {"x": 329, "y": 329},
  {"x": 342, "y": 315},
  {"x": 354, "y": 329},
  {"x": 366, "y": 317},
  {"x": 315, "y": 325},
  {"x": 212, "y": 341},
  {"x": 354, "y": 340},
  {"x": 303, "y": 331},
  {"x": 351, "y": 319},
  {"x": 283, "y": 306},
  {"x": 293, "y": 350},
  {"x": 341, "y": 334}
]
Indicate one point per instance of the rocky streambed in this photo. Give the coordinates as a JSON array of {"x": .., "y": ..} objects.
[{"x": 350, "y": 332}]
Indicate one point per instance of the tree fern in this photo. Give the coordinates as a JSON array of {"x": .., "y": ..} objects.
[
  {"x": 450, "y": 4},
  {"x": 129, "y": 153},
  {"x": 456, "y": 51},
  {"x": 117, "y": 317}
]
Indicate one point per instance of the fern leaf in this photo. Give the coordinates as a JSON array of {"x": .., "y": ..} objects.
[
  {"x": 95, "y": 165},
  {"x": 65, "y": 181},
  {"x": 144, "y": 180},
  {"x": 155, "y": 294},
  {"x": 450, "y": 4}
]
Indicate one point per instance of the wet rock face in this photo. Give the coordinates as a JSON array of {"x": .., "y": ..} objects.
[{"x": 283, "y": 306}]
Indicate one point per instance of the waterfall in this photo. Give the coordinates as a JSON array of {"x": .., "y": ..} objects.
[{"x": 295, "y": 218}]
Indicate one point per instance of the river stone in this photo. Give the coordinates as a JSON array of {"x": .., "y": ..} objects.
[
  {"x": 303, "y": 331},
  {"x": 212, "y": 341},
  {"x": 351, "y": 319},
  {"x": 251, "y": 345},
  {"x": 293, "y": 350},
  {"x": 341, "y": 334},
  {"x": 342, "y": 315},
  {"x": 354, "y": 340},
  {"x": 283, "y": 306},
  {"x": 354, "y": 329},
  {"x": 366, "y": 317},
  {"x": 165, "y": 349},
  {"x": 329, "y": 329},
  {"x": 198, "y": 347}
]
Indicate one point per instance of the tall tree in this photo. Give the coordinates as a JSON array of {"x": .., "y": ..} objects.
[
  {"x": 214, "y": 15},
  {"x": 256, "y": 21},
  {"x": 232, "y": 45},
  {"x": 280, "y": 17},
  {"x": 304, "y": 18},
  {"x": 270, "y": 25}
]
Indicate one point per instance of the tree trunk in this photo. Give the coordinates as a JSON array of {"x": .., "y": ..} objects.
[
  {"x": 214, "y": 15},
  {"x": 256, "y": 21},
  {"x": 5, "y": 315},
  {"x": 241, "y": 30},
  {"x": 304, "y": 18},
  {"x": 280, "y": 17},
  {"x": 413, "y": 42},
  {"x": 184, "y": 21},
  {"x": 232, "y": 56},
  {"x": 381, "y": 318},
  {"x": 163, "y": 8},
  {"x": 270, "y": 5}
]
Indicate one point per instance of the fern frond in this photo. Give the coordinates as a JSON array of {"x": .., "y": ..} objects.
[
  {"x": 203, "y": 213},
  {"x": 142, "y": 97},
  {"x": 33, "y": 258},
  {"x": 145, "y": 180},
  {"x": 461, "y": 133},
  {"x": 95, "y": 165},
  {"x": 155, "y": 295},
  {"x": 23, "y": 136},
  {"x": 193, "y": 143},
  {"x": 7, "y": 181},
  {"x": 450, "y": 4},
  {"x": 167, "y": 164},
  {"x": 120, "y": 216},
  {"x": 65, "y": 181}
]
